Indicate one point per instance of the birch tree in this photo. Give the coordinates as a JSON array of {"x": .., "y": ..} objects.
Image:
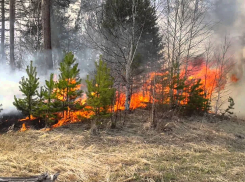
[
  {"x": 122, "y": 26},
  {"x": 224, "y": 64},
  {"x": 186, "y": 29}
]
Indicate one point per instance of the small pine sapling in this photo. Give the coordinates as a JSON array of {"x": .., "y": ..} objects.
[
  {"x": 52, "y": 103},
  {"x": 100, "y": 89},
  {"x": 28, "y": 86},
  {"x": 68, "y": 86},
  {"x": 230, "y": 107},
  {"x": 38, "y": 110},
  {"x": 197, "y": 103}
]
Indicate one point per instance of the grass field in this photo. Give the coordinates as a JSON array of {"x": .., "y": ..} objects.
[{"x": 195, "y": 150}]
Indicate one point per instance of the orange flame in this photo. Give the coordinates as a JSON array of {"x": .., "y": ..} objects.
[
  {"x": 209, "y": 78},
  {"x": 27, "y": 118},
  {"x": 23, "y": 127},
  {"x": 234, "y": 78}
]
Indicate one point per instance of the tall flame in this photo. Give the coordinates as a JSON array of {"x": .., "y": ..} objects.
[{"x": 23, "y": 127}]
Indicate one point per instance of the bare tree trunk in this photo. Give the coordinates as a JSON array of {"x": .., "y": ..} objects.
[
  {"x": 152, "y": 119},
  {"x": 130, "y": 60},
  {"x": 12, "y": 22},
  {"x": 193, "y": 23},
  {"x": 47, "y": 33},
  {"x": 127, "y": 102},
  {"x": 3, "y": 30},
  {"x": 171, "y": 92}
]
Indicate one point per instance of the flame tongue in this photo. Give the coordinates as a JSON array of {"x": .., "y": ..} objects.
[
  {"x": 23, "y": 127},
  {"x": 27, "y": 118}
]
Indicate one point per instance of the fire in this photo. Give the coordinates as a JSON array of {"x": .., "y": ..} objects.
[
  {"x": 23, "y": 127},
  {"x": 234, "y": 78},
  {"x": 143, "y": 96},
  {"x": 27, "y": 118}
]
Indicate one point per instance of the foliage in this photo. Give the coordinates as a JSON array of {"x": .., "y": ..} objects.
[
  {"x": 48, "y": 103},
  {"x": 38, "y": 109},
  {"x": 68, "y": 86},
  {"x": 28, "y": 86},
  {"x": 119, "y": 15},
  {"x": 197, "y": 102},
  {"x": 230, "y": 107},
  {"x": 100, "y": 89}
]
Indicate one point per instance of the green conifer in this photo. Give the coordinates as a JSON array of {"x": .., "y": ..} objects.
[
  {"x": 230, "y": 107},
  {"x": 28, "y": 86},
  {"x": 197, "y": 101},
  {"x": 100, "y": 89},
  {"x": 68, "y": 89}
]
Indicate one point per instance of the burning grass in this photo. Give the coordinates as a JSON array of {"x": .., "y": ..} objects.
[{"x": 193, "y": 151}]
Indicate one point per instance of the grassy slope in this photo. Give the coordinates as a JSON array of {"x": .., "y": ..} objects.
[{"x": 193, "y": 151}]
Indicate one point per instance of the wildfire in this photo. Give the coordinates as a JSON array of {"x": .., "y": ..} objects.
[
  {"x": 234, "y": 78},
  {"x": 27, "y": 118},
  {"x": 141, "y": 98},
  {"x": 23, "y": 128}
]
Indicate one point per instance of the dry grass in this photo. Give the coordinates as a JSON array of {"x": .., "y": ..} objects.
[{"x": 193, "y": 151}]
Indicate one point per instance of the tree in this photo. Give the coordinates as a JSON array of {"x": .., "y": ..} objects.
[
  {"x": 68, "y": 87},
  {"x": 46, "y": 25},
  {"x": 197, "y": 103},
  {"x": 185, "y": 29},
  {"x": 38, "y": 110},
  {"x": 224, "y": 64},
  {"x": 100, "y": 91},
  {"x": 129, "y": 36},
  {"x": 52, "y": 104},
  {"x": 48, "y": 103},
  {"x": 230, "y": 107},
  {"x": 28, "y": 86},
  {"x": 1, "y": 107},
  {"x": 12, "y": 30},
  {"x": 3, "y": 30}
]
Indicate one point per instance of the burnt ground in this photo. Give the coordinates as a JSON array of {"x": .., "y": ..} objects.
[{"x": 11, "y": 120}]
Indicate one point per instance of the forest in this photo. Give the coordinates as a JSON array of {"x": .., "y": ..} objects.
[{"x": 150, "y": 79}]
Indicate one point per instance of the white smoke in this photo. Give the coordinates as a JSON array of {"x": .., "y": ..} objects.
[
  {"x": 230, "y": 17},
  {"x": 9, "y": 79}
]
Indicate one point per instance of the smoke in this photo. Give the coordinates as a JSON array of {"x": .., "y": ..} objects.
[
  {"x": 230, "y": 18},
  {"x": 9, "y": 79}
]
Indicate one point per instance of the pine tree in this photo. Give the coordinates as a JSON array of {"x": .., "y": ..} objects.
[
  {"x": 197, "y": 102},
  {"x": 38, "y": 110},
  {"x": 68, "y": 87},
  {"x": 100, "y": 90},
  {"x": 48, "y": 103},
  {"x": 28, "y": 86},
  {"x": 118, "y": 14},
  {"x": 230, "y": 107}
]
